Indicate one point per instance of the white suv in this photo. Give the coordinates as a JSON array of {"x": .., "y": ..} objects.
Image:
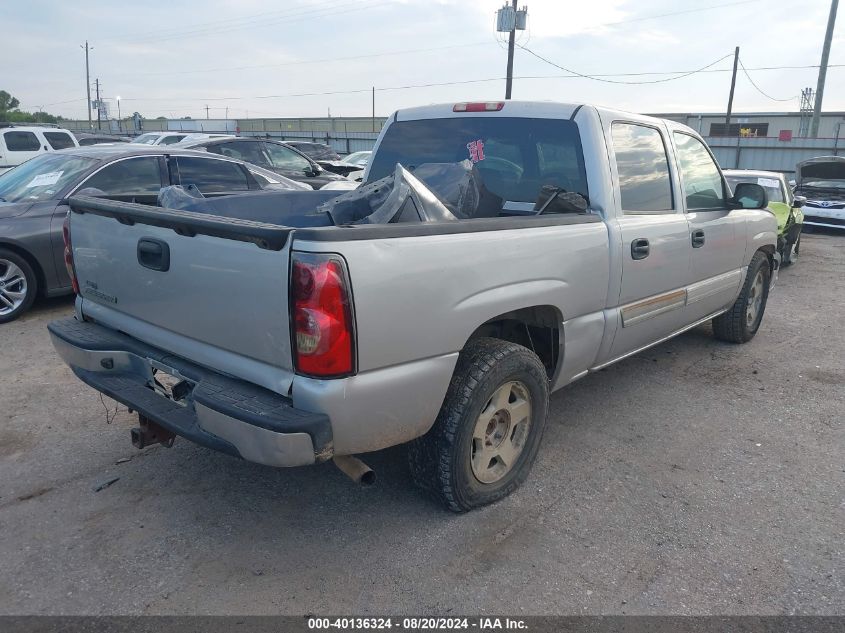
[{"x": 20, "y": 143}]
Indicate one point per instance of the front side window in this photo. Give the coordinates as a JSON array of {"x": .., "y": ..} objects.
[
  {"x": 702, "y": 179},
  {"x": 59, "y": 140},
  {"x": 21, "y": 142},
  {"x": 284, "y": 158},
  {"x": 211, "y": 175},
  {"x": 133, "y": 176},
  {"x": 644, "y": 180}
]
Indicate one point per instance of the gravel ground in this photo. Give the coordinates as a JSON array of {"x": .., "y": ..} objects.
[{"x": 695, "y": 478}]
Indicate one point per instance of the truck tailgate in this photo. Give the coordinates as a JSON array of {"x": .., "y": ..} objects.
[{"x": 209, "y": 289}]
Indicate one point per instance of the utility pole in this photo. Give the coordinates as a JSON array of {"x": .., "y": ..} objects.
[
  {"x": 97, "y": 83},
  {"x": 509, "y": 20},
  {"x": 828, "y": 36},
  {"x": 206, "y": 112},
  {"x": 731, "y": 95},
  {"x": 374, "y": 108},
  {"x": 511, "y": 43},
  {"x": 87, "y": 85}
]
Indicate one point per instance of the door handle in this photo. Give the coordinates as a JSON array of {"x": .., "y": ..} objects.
[
  {"x": 639, "y": 248},
  {"x": 154, "y": 254},
  {"x": 698, "y": 238}
]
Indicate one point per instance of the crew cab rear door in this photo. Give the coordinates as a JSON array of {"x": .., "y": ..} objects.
[{"x": 653, "y": 232}]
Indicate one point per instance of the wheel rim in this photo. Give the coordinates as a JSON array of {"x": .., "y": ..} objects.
[
  {"x": 12, "y": 287},
  {"x": 500, "y": 432},
  {"x": 755, "y": 299}
]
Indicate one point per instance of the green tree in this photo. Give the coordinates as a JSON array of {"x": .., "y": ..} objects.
[{"x": 7, "y": 103}]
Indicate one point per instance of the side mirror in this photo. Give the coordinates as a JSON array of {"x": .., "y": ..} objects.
[
  {"x": 749, "y": 195},
  {"x": 798, "y": 202}
]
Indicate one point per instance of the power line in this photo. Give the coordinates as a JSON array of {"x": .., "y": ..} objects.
[
  {"x": 673, "y": 13},
  {"x": 462, "y": 82},
  {"x": 317, "y": 61},
  {"x": 760, "y": 90},
  {"x": 308, "y": 14},
  {"x": 613, "y": 81},
  {"x": 212, "y": 23}
]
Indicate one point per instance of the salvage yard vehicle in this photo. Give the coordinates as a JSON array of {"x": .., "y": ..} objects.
[
  {"x": 33, "y": 204},
  {"x": 272, "y": 155},
  {"x": 782, "y": 202},
  {"x": 324, "y": 156},
  {"x": 821, "y": 181},
  {"x": 533, "y": 243},
  {"x": 172, "y": 138},
  {"x": 19, "y": 143}
]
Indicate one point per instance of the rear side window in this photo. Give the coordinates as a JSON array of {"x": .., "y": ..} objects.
[
  {"x": 133, "y": 176},
  {"x": 210, "y": 175},
  {"x": 59, "y": 140},
  {"x": 21, "y": 142},
  {"x": 703, "y": 186},
  {"x": 644, "y": 180}
]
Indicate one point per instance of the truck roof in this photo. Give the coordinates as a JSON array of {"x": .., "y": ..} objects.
[{"x": 523, "y": 109}]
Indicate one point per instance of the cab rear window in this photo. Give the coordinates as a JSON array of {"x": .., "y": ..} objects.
[{"x": 516, "y": 157}]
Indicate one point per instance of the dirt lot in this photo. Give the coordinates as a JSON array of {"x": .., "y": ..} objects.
[{"x": 698, "y": 477}]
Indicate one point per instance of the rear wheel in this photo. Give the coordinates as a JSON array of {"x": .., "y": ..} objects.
[
  {"x": 488, "y": 432},
  {"x": 18, "y": 286},
  {"x": 741, "y": 322}
]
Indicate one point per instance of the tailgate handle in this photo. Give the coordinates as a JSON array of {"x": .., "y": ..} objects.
[{"x": 154, "y": 254}]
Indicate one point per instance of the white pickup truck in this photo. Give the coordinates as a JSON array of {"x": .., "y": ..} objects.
[{"x": 403, "y": 312}]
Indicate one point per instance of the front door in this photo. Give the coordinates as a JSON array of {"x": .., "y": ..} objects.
[{"x": 717, "y": 234}]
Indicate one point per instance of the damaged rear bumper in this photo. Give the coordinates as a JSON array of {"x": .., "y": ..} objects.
[{"x": 210, "y": 409}]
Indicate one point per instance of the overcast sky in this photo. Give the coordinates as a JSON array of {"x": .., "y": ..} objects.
[{"x": 172, "y": 58}]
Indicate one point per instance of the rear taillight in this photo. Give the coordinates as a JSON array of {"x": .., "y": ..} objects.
[
  {"x": 69, "y": 254},
  {"x": 486, "y": 106},
  {"x": 322, "y": 316}
]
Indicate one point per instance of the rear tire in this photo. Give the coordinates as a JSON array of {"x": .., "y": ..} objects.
[
  {"x": 18, "y": 285},
  {"x": 741, "y": 322},
  {"x": 488, "y": 431}
]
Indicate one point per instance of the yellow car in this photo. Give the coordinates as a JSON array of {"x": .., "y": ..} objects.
[{"x": 785, "y": 206}]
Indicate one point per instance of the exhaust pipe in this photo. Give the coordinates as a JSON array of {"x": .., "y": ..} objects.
[{"x": 355, "y": 469}]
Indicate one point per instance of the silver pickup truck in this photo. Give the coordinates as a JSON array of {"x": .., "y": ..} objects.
[{"x": 582, "y": 236}]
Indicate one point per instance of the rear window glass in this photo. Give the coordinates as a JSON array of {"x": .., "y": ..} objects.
[
  {"x": 21, "y": 142},
  {"x": 515, "y": 157},
  {"x": 170, "y": 140},
  {"x": 59, "y": 140}
]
